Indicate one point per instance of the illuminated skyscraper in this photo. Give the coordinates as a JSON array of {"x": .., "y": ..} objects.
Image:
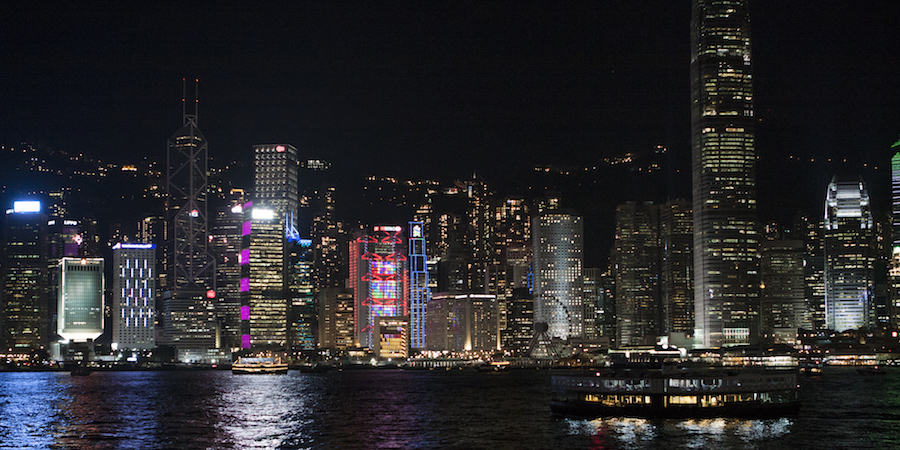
[
  {"x": 81, "y": 299},
  {"x": 558, "y": 241},
  {"x": 302, "y": 324},
  {"x": 225, "y": 245},
  {"x": 639, "y": 306},
  {"x": 378, "y": 275},
  {"x": 24, "y": 306},
  {"x": 269, "y": 226},
  {"x": 463, "y": 322},
  {"x": 894, "y": 267},
  {"x": 849, "y": 256},
  {"x": 189, "y": 316},
  {"x": 134, "y": 296},
  {"x": 419, "y": 293},
  {"x": 783, "y": 303},
  {"x": 676, "y": 244},
  {"x": 336, "y": 318},
  {"x": 726, "y": 245}
]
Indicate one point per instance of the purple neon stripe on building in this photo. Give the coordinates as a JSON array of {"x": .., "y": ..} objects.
[
  {"x": 245, "y": 257},
  {"x": 248, "y": 205},
  {"x": 245, "y": 341},
  {"x": 246, "y": 228},
  {"x": 245, "y": 313},
  {"x": 245, "y": 285}
]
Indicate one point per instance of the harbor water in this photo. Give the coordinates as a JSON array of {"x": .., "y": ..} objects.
[{"x": 390, "y": 408}]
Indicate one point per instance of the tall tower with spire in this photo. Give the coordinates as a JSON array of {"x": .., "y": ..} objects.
[
  {"x": 189, "y": 311},
  {"x": 726, "y": 242}
]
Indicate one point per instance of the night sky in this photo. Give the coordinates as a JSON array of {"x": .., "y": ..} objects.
[{"x": 434, "y": 89}]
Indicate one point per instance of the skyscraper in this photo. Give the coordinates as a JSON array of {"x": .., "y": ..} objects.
[
  {"x": 676, "y": 244},
  {"x": 726, "y": 266},
  {"x": 378, "y": 275},
  {"x": 783, "y": 302},
  {"x": 24, "y": 306},
  {"x": 558, "y": 241},
  {"x": 849, "y": 256},
  {"x": 639, "y": 306},
  {"x": 189, "y": 316},
  {"x": 419, "y": 293},
  {"x": 894, "y": 264},
  {"x": 269, "y": 226},
  {"x": 134, "y": 296},
  {"x": 82, "y": 283}
]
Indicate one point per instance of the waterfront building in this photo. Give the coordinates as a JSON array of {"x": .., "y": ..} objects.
[
  {"x": 189, "y": 313},
  {"x": 677, "y": 244},
  {"x": 391, "y": 337},
  {"x": 726, "y": 245},
  {"x": 783, "y": 304},
  {"x": 302, "y": 324},
  {"x": 894, "y": 263},
  {"x": 24, "y": 306},
  {"x": 463, "y": 322},
  {"x": 810, "y": 229},
  {"x": 419, "y": 293},
  {"x": 336, "y": 318},
  {"x": 639, "y": 311},
  {"x": 64, "y": 239},
  {"x": 849, "y": 256},
  {"x": 591, "y": 297},
  {"x": 225, "y": 245},
  {"x": 379, "y": 277},
  {"x": 558, "y": 245},
  {"x": 80, "y": 303},
  {"x": 134, "y": 297},
  {"x": 518, "y": 328},
  {"x": 269, "y": 226}
]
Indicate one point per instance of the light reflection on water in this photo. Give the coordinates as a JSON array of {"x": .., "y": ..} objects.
[
  {"x": 624, "y": 432},
  {"x": 402, "y": 409}
]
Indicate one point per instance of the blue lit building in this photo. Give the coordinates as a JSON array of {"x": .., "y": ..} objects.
[
  {"x": 134, "y": 297},
  {"x": 419, "y": 292}
]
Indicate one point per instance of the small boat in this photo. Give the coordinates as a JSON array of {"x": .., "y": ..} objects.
[
  {"x": 259, "y": 365},
  {"x": 871, "y": 370},
  {"x": 678, "y": 393},
  {"x": 80, "y": 371},
  {"x": 314, "y": 368}
]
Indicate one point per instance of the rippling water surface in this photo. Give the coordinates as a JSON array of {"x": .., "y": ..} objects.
[{"x": 362, "y": 409}]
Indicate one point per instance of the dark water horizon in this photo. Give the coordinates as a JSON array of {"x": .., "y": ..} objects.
[{"x": 369, "y": 409}]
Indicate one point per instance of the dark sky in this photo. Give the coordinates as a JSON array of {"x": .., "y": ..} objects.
[{"x": 435, "y": 89}]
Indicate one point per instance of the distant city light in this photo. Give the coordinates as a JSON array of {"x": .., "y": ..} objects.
[
  {"x": 26, "y": 206},
  {"x": 237, "y": 209},
  {"x": 263, "y": 214}
]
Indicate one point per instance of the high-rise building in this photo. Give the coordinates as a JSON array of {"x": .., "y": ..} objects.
[
  {"x": 639, "y": 311},
  {"x": 518, "y": 328},
  {"x": 24, "y": 305},
  {"x": 419, "y": 292},
  {"x": 64, "y": 239},
  {"x": 189, "y": 320},
  {"x": 379, "y": 278},
  {"x": 81, "y": 305},
  {"x": 783, "y": 303},
  {"x": 894, "y": 263},
  {"x": 302, "y": 314},
  {"x": 134, "y": 297},
  {"x": 676, "y": 244},
  {"x": 726, "y": 245},
  {"x": 268, "y": 228},
  {"x": 463, "y": 322},
  {"x": 558, "y": 244},
  {"x": 336, "y": 318},
  {"x": 225, "y": 245},
  {"x": 849, "y": 256}
]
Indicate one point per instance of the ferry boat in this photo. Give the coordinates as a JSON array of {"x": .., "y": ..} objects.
[
  {"x": 259, "y": 365},
  {"x": 678, "y": 393}
]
